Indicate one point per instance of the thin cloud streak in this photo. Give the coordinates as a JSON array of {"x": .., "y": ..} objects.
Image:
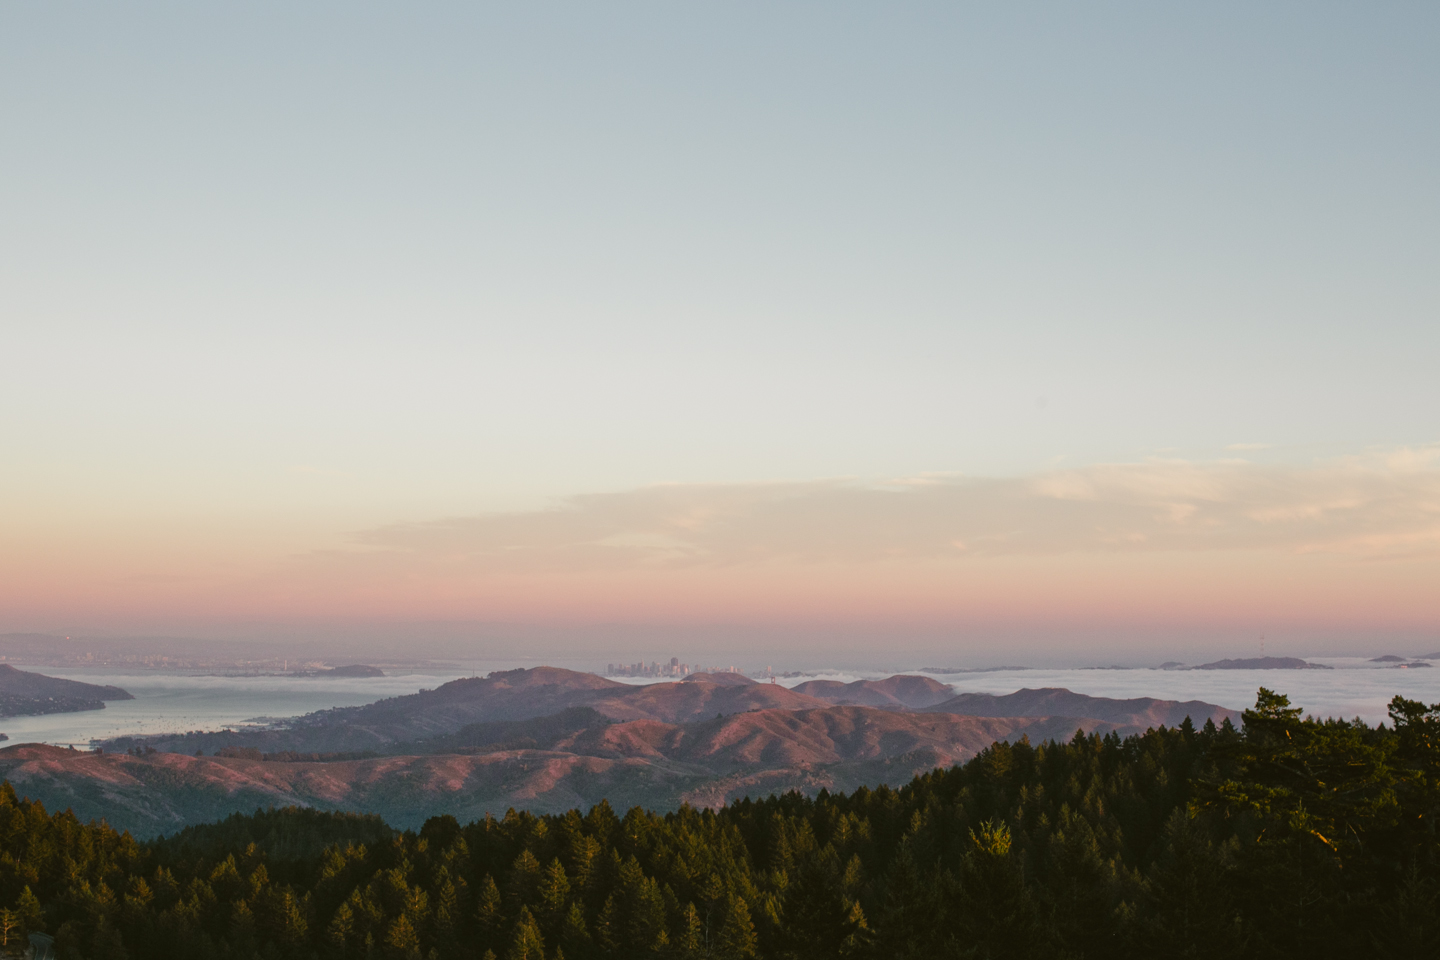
[{"x": 1382, "y": 506}]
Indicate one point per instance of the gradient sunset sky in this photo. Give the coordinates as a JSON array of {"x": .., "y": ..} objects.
[{"x": 799, "y": 333}]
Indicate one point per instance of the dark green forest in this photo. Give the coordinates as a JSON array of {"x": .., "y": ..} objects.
[{"x": 1287, "y": 837}]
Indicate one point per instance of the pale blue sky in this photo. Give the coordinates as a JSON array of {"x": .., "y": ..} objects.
[
  {"x": 358, "y": 264},
  {"x": 494, "y": 252}
]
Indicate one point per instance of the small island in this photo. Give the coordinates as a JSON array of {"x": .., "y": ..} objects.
[{"x": 1264, "y": 663}]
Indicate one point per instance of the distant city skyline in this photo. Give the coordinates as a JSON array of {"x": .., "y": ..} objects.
[{"x": 1083, "y": 333}]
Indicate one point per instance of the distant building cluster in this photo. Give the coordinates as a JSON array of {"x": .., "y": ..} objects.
[
  {"x": 655, "y": 668},
  {"x": 674, "y": 668}
]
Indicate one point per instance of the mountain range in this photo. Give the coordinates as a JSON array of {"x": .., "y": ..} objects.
[{"x": 547, "y": 739}]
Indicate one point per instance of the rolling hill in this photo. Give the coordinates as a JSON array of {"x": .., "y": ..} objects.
[
  {"x": 543, "y": 765},
  {"x": 1132, "y": 715},
  {"x": 898, "y": 692},
  {"x": 403, "y": 724},
  {"x": 511, "y": 695}
]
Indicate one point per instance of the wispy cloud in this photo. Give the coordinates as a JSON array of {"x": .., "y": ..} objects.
[{"x": 1385, "y": 505}]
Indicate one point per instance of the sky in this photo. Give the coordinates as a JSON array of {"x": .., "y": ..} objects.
[{"x": 810, "y": 329}]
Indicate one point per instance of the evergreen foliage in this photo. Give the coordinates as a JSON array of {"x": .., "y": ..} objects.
[{"x": 1291, "y": 837}]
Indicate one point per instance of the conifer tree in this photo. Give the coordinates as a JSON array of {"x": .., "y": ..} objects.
[
  {"x": 736, "y": 940},
  {"x": 996, "y": 916},
  {"x": 526, "y": 942},
  {"x": 402, "y": 940},
  {"x": 689, "y": 942},
  {"x": 1189, "y": 896},
  {"x": 523, "y": 886},
  {"x": 31, "y": 914},
  {"x": 554, "y": 895},
  {"x": 488, "y": 919},
  {"x": 574, "y": 935},
  {"x": 340, "y": 933}
]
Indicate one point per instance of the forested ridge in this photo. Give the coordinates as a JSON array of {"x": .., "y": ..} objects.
[{"x": 1286, "y": 837}]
